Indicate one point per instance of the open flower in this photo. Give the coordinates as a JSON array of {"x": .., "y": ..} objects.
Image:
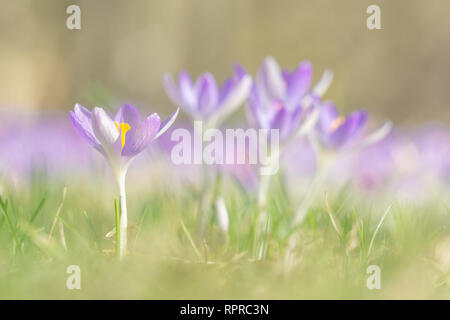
[
  {"x": 119, "y": 139},
  {"x": 334, "y": 130},
  {"x": 278, "y": 99},
  {"x": 203, "y": 99}
]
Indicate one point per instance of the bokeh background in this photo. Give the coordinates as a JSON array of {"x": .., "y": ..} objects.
[{"x": 123, "y": 48}]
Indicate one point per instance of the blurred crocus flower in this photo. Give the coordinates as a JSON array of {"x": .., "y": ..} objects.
[
  {"x": 334, "y": 130},
  {"x": 433, "y": 145},
  {"x": 203, "y": 99},
  {"x": 279, "y": 99},
  {"x": 59, "y": 151},
  {"x": 119, "y": 139}
]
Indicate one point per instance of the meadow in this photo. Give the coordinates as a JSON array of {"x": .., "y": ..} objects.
[{"x": 51, "y": 219}]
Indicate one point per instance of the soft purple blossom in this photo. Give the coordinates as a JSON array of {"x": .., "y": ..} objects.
[
  {"x": 48, "y": 144},
  {"x": 119, "y": 138},
  {"x": 278, "y": 99},
  {"x": 433, "y": 145},
  {"x": 335, "y": 131},
  {"x": 203, "y": 98}
]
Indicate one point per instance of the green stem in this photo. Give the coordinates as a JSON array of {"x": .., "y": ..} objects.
[{"x": 117, "y": 230}]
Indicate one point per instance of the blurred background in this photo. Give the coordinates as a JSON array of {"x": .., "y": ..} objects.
[{"x": 123, "y": 48}]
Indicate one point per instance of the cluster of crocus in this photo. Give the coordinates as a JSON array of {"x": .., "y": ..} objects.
[
  {"x": 204, "y": 100},
  {"x": 46, "y": 145},
  {"x": 278, "y": 99},
  {"x": 119, "y": 140}
]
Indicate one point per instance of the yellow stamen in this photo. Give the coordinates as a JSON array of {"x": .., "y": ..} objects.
[
  {"x": 339, "y": 121},
  {"x": 123, "y": 127}
]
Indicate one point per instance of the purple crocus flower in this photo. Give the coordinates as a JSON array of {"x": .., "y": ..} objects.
[
  {"x": 278, "y": 99},
  {"x": 433, "y": 144},
  {"x": 59, "y": 151},
  {"x": 119, "y": 139},
  {"x": 335, "y": 131},
  {"x": 203, "y": 99}
]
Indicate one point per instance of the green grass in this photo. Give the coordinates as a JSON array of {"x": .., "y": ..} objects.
[{"x": 325, "y": 257}]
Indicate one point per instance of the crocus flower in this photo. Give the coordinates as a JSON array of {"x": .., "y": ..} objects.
[
  {"x": 433, "y": 144},
  {"x": 334, "y": 130},
  {"x": 59, "y": 151},
  {"x": 281, "y": 100},
  {"x": 278, "y": 99},
  {"x": 203, "y": 99},
  {"x": 119, "y": 139}
]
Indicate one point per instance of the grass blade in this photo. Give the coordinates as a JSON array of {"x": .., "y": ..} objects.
[
  {"x": 92, "y": 229},
  {"x": 188, "y": 235},
  {"x": 4, "y": 206},
  {"x": 376, "y": 230}
]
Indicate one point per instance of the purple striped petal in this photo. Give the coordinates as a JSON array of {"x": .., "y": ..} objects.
[
  {"x": 208, "y": 93},
  {"x": 104, "y": 127},
  {"x": 140, "y": 135},
  {"x": 287, "y": 122},
  {"x": 129, "y": 114},
  {"x": 328, "y": 113},
  {"x": 166, "y": 124},
  {"x": 298, "y": 83},
  {"x": 271, "y": 79},
  {"x": 187, "y": 92},
  {"x": 172, "y": 90},
  {"x": 348, "y": 130},
  {"x": 239, "y": 71},
  {"x": 81, "y": 119}
]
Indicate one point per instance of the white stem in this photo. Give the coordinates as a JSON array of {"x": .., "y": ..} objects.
[
  {"x": 123, "y": 214},
  {"x": 264, "y": 184},
  {"x": 324, "y": 164}
]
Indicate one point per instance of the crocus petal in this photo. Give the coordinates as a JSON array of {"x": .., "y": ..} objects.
[
  {"x": 104, "y": 127},
  {"x": 208, "y": 93},
  {"x": 167, "y": 124},
  {"x": 349, "y": 129},
  {"x": 239, "y": 71},
  {"x": 270, "y": 79},
  {"x": 172, "y": 89},
  {"x": 298, "y": 84},
  {"x": 287, "y": 122},
  {"x": 232, "y": 82},
  {"x": 187, "y": 92},
  {"x": 233, "y": 100},
  {"x": 138, "y": 138},
  {"x": 226, "y": 88},
  {"x": 324, "y": 83},
  {"x": 259, "y": 113},
  {"x": 81, "y": 119},
  {"x": 376, "y": 136},
  {"x": 328, "y": 113},
  {"x": 312, "y": 117},
  {"x": 128, "y": 114},
  {"x": 357, "y": 120}
]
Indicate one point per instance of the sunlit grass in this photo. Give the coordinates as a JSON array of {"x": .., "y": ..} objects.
[{"x": 325, "y": 257}]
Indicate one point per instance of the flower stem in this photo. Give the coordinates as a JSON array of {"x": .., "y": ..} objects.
[
  {"x": 117, "y": 230},
  {"x": 324, "y": 164},
  {"x": 123, "y": 216}
]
